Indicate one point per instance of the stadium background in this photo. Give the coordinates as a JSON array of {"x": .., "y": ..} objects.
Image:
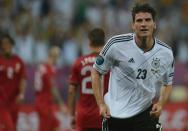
[{"x": 38, "y": 24}]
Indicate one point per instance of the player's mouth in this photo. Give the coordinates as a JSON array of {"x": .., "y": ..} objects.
[{"x": 143, "y": 30}]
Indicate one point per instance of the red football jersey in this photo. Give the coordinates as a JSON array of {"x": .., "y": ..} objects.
[
  {"x": 44, "y": 81},
  {"x": 12, "y": 70},
  {"x": 87, "y": 111}
]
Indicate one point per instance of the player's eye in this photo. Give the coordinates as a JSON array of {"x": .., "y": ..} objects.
[
  {"x": 148, "y": 19},
  {"x": 139, "y": 20}
]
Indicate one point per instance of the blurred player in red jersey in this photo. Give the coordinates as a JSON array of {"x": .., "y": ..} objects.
[
  {"x": 87, "y": 116},
  {"x": 12, "y": 84},
  {"x": 46, "y": 91}
]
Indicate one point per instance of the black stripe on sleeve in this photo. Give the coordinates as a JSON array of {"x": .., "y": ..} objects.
[
  {"x": 115, "y": 40},
  {"x": 163, "y": 44},
  {"x": 171, "y": 75}
]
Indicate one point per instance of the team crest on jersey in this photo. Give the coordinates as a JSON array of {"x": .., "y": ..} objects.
[
  {"x": 99, "y": 60},
  {"x": 155, "y": 65}
]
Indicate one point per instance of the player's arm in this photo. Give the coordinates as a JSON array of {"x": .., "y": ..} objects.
[
  {"x": 74, "y": 82},
  {"x": 22, "y": 87},
  {"x": 165, "y": 91},
  {"x": 97, "y": 90},
  {"x": 102, "y": 65},
  {"x": 57, "y": 96},
  {"x": 72, "y": 103},
  {"x": 165, "y": 94},
  {"x": 22, "y": 83},
  {"x": 163, "y": 99},
  {"x": 72, "y": 98},
  {"x": 96, "y": 85}
]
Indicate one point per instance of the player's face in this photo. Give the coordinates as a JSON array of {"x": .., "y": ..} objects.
[
  {"x": 55, "y": 57},
  {"x": 144, "y": 25},
  {"x": 55, "y": 54},
  {"x": 6, "y": 46}
]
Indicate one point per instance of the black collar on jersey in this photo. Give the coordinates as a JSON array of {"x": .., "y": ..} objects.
[{"x": 148, "y": 49}]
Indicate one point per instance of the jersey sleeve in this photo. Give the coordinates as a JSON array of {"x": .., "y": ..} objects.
[
  {"x": 74, "y": 75},
  {"x": 168, "y": 76},
  {"x": 105, "y": 59}
]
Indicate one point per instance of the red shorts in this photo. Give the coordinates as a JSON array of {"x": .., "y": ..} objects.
[
  {"x": 6, "y": 121},
  {"x": 48, "y": 121}
]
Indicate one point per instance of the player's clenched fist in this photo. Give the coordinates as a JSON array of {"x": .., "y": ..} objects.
[{"x": 104, "y": 110}]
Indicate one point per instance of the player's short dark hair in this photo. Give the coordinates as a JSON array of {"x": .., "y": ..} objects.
[
  {"x": 143, "y": 7},
  {"x": 97, "y": 37},
  {"x": 5, "y": 35}
]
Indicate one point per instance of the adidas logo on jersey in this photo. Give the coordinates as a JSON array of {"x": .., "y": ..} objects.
[{"x": 131, "y": 60}]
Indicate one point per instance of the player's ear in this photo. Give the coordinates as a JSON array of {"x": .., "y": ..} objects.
[{"x": 155, "y": 26}]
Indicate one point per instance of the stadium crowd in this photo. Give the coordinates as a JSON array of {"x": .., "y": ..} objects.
[{"x": 37, "y": 25}]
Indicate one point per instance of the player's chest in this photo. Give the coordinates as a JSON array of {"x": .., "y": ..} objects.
[
  {"x": 140, "y": 65},
  {"x": 51, "y": 75},
  {"x": 50, "y": 71},
  {"x": 9, "y": 69}
]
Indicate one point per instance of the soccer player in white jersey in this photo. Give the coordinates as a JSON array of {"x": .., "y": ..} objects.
[{"x": 140, "y": 65}]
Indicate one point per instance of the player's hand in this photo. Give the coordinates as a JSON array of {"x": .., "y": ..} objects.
[
  {"x": 64, "y": 109},
  {"x": 73, "y": 122},
  {"x": 20, "y": 98},
  {"x": 156, "y": 110},
  {"x": 104, "y": 110}
]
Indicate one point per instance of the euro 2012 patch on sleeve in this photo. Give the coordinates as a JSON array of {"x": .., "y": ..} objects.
[{"x": 99, "y": 60}]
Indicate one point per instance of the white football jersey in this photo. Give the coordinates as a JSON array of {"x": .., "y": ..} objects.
[{"x": 136, "y": 76}]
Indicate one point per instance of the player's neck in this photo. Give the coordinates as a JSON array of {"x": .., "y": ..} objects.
[
  {"x": 50, "y": 61},
  {"x": 95, "y": 50},
  {"x": 145, "y": 43},
  {"x": 6, "y": 55}
]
